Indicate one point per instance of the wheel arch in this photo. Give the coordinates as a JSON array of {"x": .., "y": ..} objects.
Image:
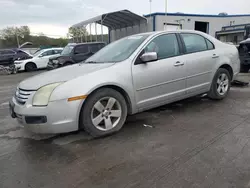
[
  {"x": 118, "y": 89},
  {"x": 30, "y": 62},
  {"x": 229, "y": 69}
]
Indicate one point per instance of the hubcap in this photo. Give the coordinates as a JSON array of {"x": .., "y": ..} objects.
[
  {"x": 106, "y": 113},
  {"x": 222, "y": 84}
]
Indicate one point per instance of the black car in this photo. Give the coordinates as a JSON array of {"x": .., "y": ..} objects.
[
  {"x": 75, "y": 53},
  {"x": 244, "y": 52},
  {"x": 8, "y": 56}
]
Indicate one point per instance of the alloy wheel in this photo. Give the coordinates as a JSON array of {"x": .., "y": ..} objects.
[
  {"x": 106, "y": 113},
  {"x": 222, "y": 84}
]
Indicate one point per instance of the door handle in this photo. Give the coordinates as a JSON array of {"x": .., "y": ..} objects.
[
  {"x": 178, "y": 63},
  {"x": 215, "y": 56}
]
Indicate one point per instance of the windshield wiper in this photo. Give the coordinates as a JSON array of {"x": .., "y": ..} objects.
[{"x": 91, "y": 62}]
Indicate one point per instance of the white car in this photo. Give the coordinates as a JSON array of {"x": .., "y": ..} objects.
[{"x": 39, "y": 60}]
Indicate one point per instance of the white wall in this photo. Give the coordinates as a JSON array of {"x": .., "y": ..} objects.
[{"x": 215, "y": 23}]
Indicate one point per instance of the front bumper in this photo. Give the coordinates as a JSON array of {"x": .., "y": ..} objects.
[
  {"x": 61, "y": 116},
  {"x": 52, "y": 65},
  {"x": 20, "y": 66}
]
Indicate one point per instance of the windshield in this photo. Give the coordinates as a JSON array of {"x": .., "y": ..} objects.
[
  {"x": 38, "y": 53},
  {"x": 67, "y": 50},
  {"x": 119, "y": 50}
]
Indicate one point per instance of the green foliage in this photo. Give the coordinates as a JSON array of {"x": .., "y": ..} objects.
[
  {"x": 76, "y": 32},
  {"x": 8, "y": 38},
  {"x": 9, "y": 35}
]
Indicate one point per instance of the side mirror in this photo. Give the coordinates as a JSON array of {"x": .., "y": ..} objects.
[
  {"x": 40, "y": 56},
  {"x": 148, "y": 57}
]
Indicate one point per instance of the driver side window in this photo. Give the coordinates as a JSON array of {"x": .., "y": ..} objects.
[
  {"x": 165, "y": 46},
  {"x": 49, "y": 52}
]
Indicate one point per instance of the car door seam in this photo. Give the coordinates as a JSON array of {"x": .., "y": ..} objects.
[
  {"x": 163, "y": 83},
  {"x": 199, "y": 74}
]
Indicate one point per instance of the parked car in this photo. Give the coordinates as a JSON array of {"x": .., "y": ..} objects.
[
  {"x": 8, "y": 56},
  {"x": 244, "y": 52},
  {"x": 128, "y": 76},
  {"x": 74, "y": 53},
  {"x": 39, "y": 60}
]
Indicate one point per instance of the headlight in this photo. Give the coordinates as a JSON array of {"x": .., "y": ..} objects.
[
  {"x": 55, "y": 61},
  {"x": 18, "y": 62},
  {"x": 42, "y": 96}
]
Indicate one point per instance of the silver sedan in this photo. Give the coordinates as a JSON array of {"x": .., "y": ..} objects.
[{"x": 128, "y": 76}]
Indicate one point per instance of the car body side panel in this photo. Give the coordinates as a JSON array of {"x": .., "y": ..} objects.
[{"x": 92, "y": 81}]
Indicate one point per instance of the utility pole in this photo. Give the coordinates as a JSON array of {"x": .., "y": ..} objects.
[
  {"x": 150, "y": 11},
  {"x": 150, "y": 7},
  {"x": 17, "y": 39},
  {"x": 166, "y": 10}
]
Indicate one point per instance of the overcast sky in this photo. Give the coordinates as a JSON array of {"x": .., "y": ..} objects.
[{"x": 53, "y": 17}]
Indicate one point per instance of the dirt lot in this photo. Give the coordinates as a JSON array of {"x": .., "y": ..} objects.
[{"x": 192, "y": 143}]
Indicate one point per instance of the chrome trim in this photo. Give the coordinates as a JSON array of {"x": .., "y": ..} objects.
[{"x": 22, "y": 95}]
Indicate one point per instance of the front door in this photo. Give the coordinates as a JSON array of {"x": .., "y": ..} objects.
[
  {"x": 43, "y": 59},
  {"x": 200, "y": 60},
  {"x": 160, "y": 81}
]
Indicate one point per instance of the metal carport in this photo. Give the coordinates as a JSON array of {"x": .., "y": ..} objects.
[{"x": 120, "y": 24}]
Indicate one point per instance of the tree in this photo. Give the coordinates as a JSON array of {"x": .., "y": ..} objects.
[
  {"x": 77, "y": 33},
  {"x": 13, "y": 36}
]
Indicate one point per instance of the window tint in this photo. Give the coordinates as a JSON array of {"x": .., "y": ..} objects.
[
  {"x": 57, "y": 51},
  {"x": 95, "y": 47},
  {"x": 194, "y": 43},
  {"x": 83, "y": 49},
  {"x": 210, "y": 45},
  {"x": 49, "y": 52},
  {"x": 165, "y": 46}
]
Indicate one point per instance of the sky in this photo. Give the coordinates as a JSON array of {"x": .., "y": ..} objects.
[{"x": 54, "y": 17}]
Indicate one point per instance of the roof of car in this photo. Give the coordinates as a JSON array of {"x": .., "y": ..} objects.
[{"x": 86, "y": 43}]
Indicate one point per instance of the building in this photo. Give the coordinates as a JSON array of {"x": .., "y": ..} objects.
[
  {"x": 234, "y": 33},
  {"x": 210, "y": 24},
  {"x": 124, "y": 23}
]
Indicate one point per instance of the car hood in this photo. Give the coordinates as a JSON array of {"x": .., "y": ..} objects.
[{"x": 61, "y": 75}]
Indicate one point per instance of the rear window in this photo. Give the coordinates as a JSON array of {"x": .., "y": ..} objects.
[
  {"x": 96, "y": 47},
  {"x": 81, "y": 49}
]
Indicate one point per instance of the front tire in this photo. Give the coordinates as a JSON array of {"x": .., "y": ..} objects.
[
  {"x": 221, "y": 85},
  {"x": 30, "y": 67},
  {"x": 103, "y": 113}
]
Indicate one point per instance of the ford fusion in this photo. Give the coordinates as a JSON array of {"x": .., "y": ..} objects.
[{"x": 131, "y": 75}]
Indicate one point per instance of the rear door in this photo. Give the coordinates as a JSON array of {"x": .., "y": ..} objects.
[
  {"x": 81, "y": 53},
  {"x": 200, "y": 59}
]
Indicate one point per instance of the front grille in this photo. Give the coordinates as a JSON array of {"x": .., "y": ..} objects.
[{"x": 22, "y": 95}]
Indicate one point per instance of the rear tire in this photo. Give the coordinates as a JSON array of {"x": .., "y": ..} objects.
[
  {"x": 104, "y": 113},
  {"x": 221, "y": 85},
  {"x": 30, "y": 67}
]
